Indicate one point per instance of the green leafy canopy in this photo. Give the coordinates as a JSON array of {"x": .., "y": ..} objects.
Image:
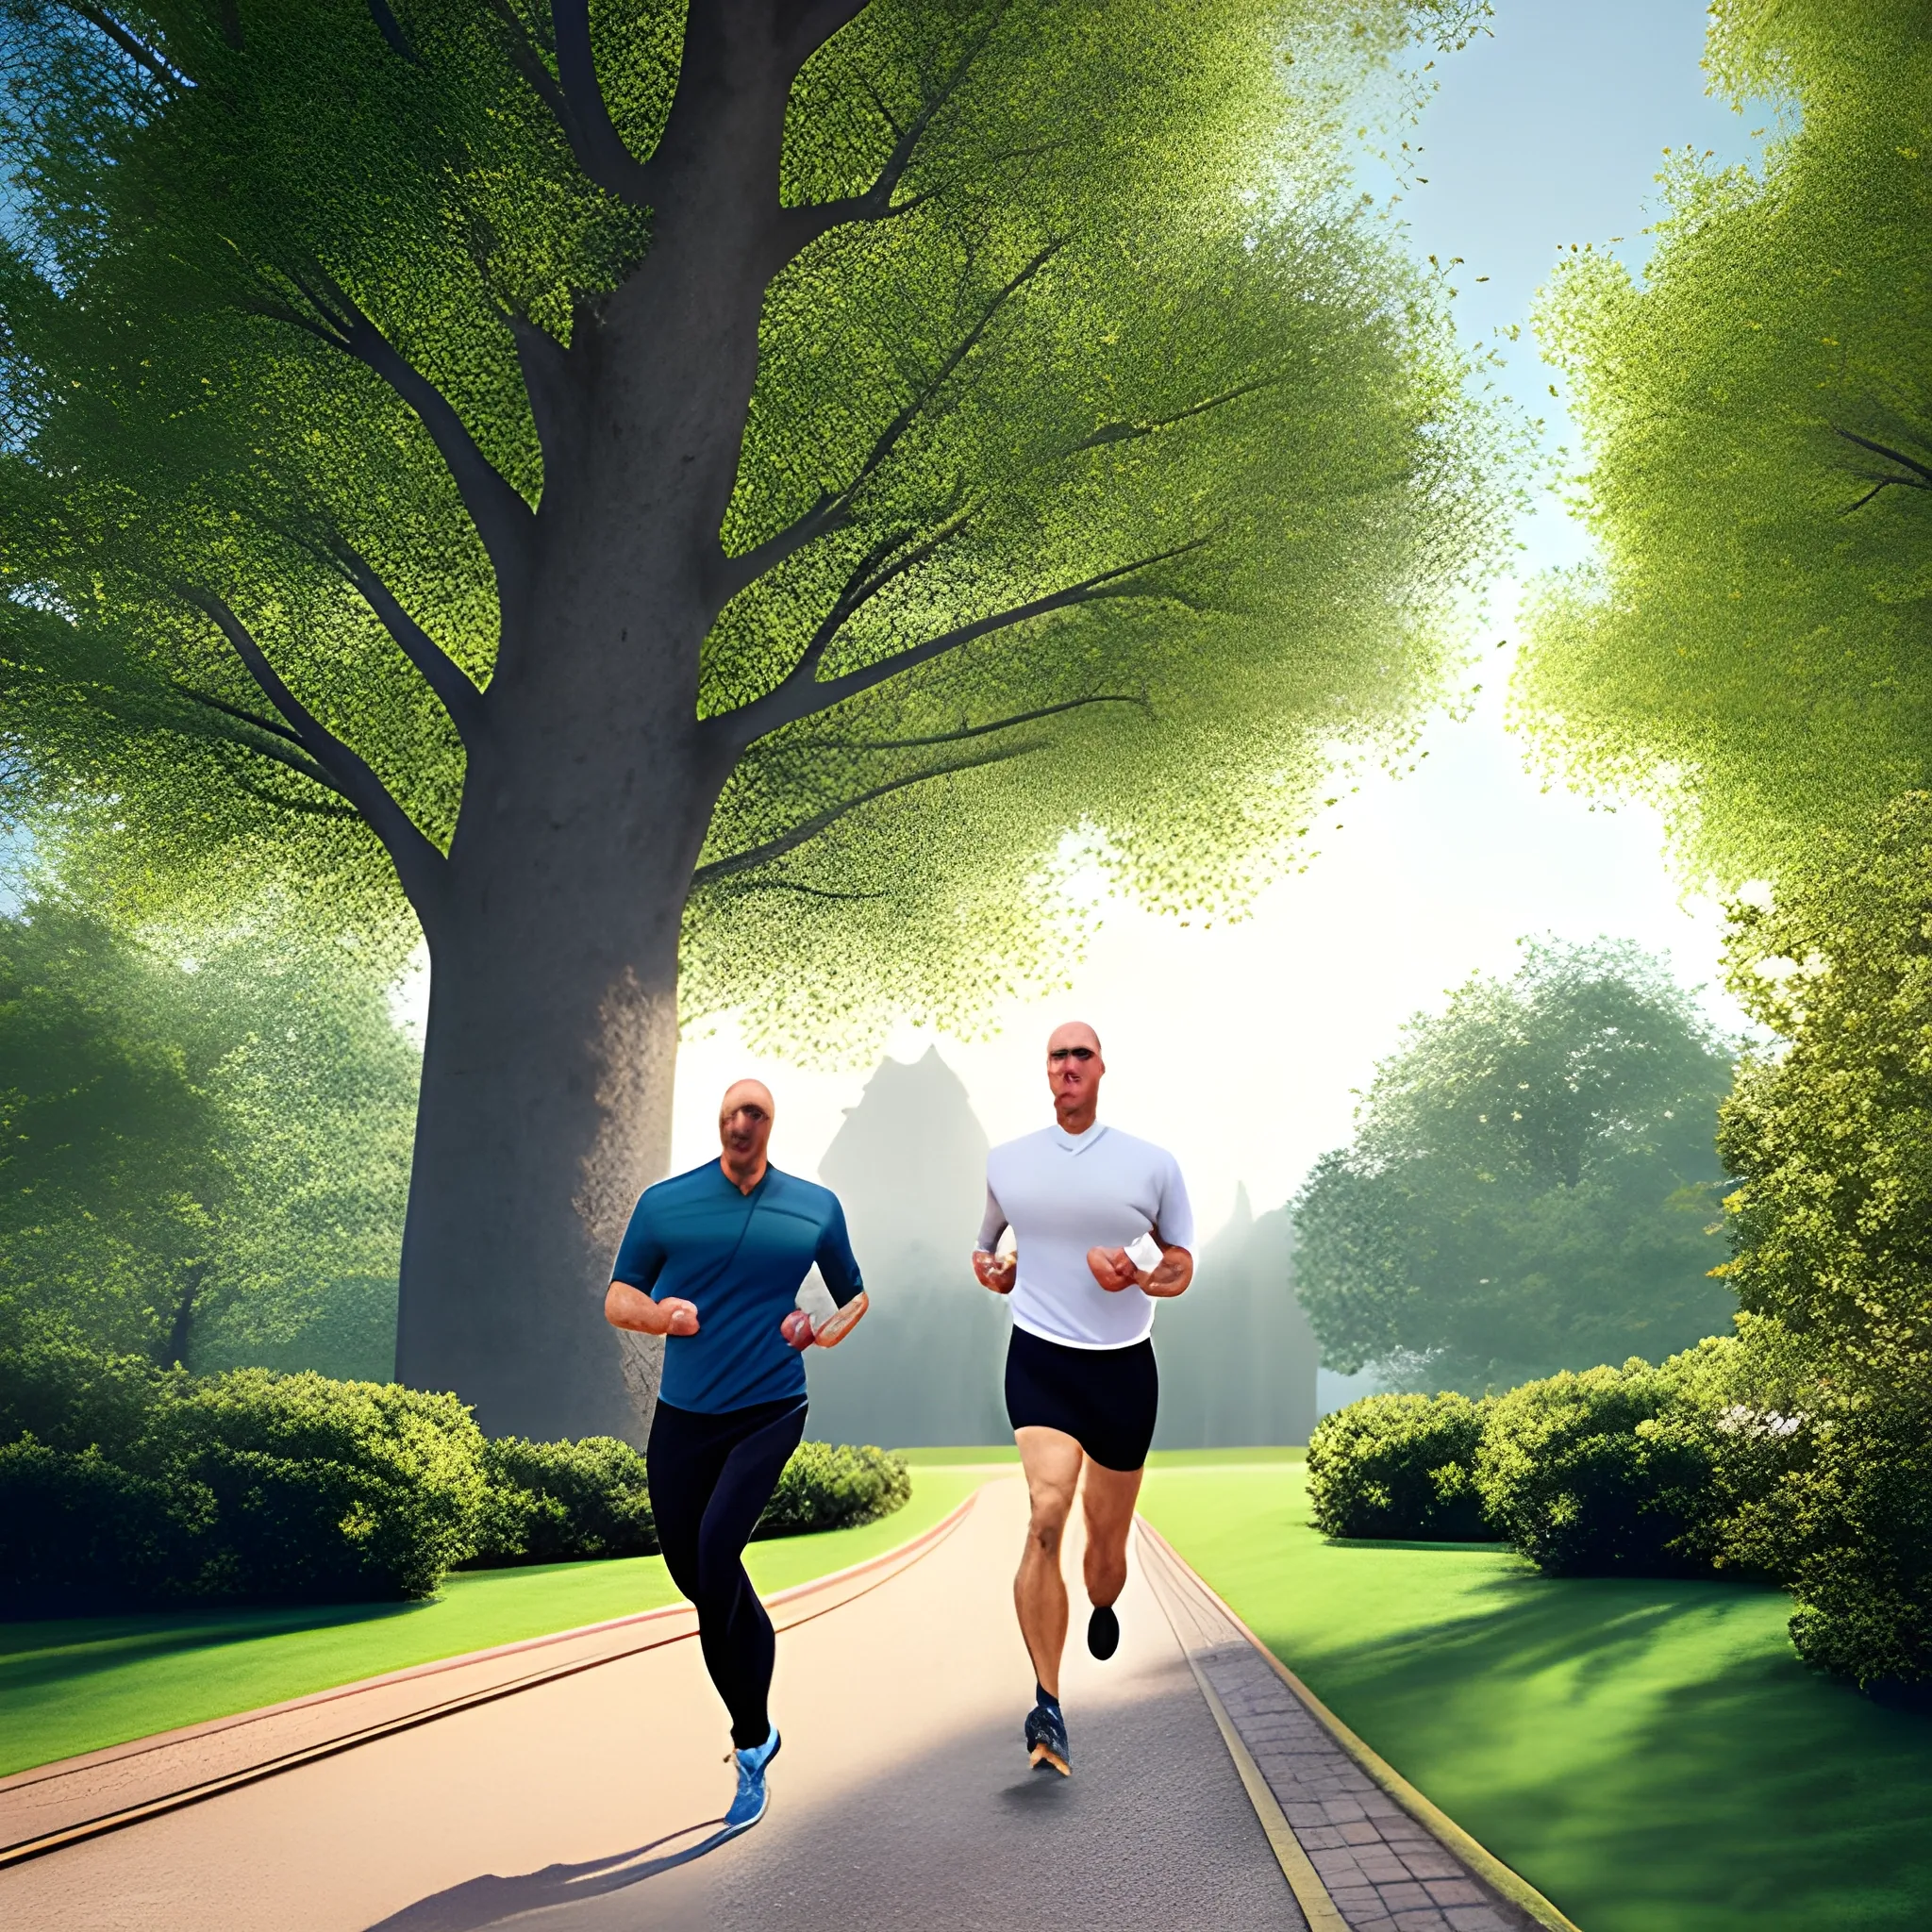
[
  {"x": 1749, "y": 651},
  {"x": 1106, "y": 462}
]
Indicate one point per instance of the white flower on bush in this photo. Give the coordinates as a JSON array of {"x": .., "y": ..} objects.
[{"x": 1739, "y": 1419}]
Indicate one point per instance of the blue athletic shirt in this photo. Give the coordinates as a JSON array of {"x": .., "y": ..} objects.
[{"x": 739, "y": 1258}]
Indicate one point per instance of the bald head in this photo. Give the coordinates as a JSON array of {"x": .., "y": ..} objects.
[
  {"x": 1074, "y": 1072},
  {"x": 744, "y": 1128},
  {"x": 746, "y": 1094}
]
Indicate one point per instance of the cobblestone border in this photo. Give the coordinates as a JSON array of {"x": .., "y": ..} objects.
[{"x": 1387, "y": 1860}]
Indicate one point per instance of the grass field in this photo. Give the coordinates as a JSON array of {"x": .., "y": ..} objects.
[
  {"x": 1650, "y": 1754},
  {"x": 79, "y": 1684}
]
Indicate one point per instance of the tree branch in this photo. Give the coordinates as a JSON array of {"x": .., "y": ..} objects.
[
  {"x": 419, "y": 867},
  {"x": 801, "y": 695},
  {"x": 1921, "y": 477},
  {"x": 966, "y": 731},
  {"x": 800, "y": 226},
  {"x": 732, "y": 575},
  {"x": 813, "y": 23},
  {"x": 312, "y": 808},
  {"x": 228, "y": 710},
  {"x": 450, "y": 683},
  {"x": 504, "y": 520},
  {"x": 158, "y": 65},
  {"x": 391, "y": 28},
  {"x": 801, "y": 834},
  {"x": 1127, "y": 432},
  {"x": 807, "y": 892},
  {"x": 283, "y": 747},
  {"x": 593, "y": 135}
]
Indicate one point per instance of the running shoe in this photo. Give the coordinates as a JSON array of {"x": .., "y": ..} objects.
[
  {"x": 1103, "y": 1632},
  {"x": 1046, "y": 1741},
  {"x": 748, "y": 1807}
]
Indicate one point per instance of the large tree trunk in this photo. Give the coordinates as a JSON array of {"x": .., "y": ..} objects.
[
  {"x": 548, "y": 1068},
  {"x": 552, "y": 1018}
]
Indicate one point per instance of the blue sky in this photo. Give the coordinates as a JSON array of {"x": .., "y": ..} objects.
[{"x": 1242, "y": 1048}]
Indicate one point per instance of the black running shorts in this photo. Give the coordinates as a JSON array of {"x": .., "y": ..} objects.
[{"x": 1104, "y": 1398}]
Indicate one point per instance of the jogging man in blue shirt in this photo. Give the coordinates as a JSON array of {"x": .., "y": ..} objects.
[{"x": 712, "y": 1260}]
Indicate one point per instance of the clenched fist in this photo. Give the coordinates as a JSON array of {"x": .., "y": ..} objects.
[{"x": 996, "y": 1272}]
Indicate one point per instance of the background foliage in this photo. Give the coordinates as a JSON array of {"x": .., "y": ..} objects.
[
  {"x": 206, "y": 1141},
  {"x": 1533, "y": 1181},
  {"x": 1757, "y": 413},
  {"x": 1831, "y": 1140},
  {"x": 1133, "y": 356}
]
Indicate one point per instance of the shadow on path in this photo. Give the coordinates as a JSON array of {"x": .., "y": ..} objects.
[{"x": 487, "y": 1901}]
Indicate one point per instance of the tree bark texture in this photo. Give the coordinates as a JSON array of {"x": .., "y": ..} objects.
[{"x": 554, "y": 932}]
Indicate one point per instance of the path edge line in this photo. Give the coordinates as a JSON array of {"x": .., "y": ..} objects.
[
  {"x": 1477, "y": 1856},
  {"x": 1321, "y": 1911}
]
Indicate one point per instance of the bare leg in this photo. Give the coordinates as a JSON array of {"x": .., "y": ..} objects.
[
  {"x": 1108, "y": 1496},
  {"x": 1052, "y": 1462}
]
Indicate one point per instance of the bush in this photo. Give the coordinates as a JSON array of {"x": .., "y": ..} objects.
[
  {"x": 1831, "y": 1223},
  {"x": 120, "y": 1483},
  {"x": 557, "y": 1502},
  {"x": 828, "y": 1486},
  {"x": 1849, "y": 1529},
  {"x": 1399, "y": 1466},
  {"x": 1616, "y": 1471}
]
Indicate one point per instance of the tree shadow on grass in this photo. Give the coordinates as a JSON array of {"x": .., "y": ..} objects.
[
  {"x": 478, "y": 1903},
  {"x": 1653, "y": 1755}
]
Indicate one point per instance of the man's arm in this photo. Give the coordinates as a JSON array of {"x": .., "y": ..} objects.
[
  {"x": 991, "y": 1268},
  {"x": 838, "y": 1269},
  {"x": 626, "y": 1307},
  {"x": 628, "y": 1302}
]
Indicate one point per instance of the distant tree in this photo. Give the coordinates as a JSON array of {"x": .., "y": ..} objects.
[
  {"x": 111, "y": 1173},
  {"x": 1533, "y": 1183},
  {"x": 751, "y": 477},
  {"x": 1758, "y": 415},
  {"x": 204, "y": 1155}
]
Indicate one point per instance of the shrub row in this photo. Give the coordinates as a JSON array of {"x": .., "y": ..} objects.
[
  {"x": 122, "y": 1484},
  {"x": 1643, "y": 1470}
]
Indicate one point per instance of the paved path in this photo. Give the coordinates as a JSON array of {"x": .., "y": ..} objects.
[{"x": 544, "y": 1780}]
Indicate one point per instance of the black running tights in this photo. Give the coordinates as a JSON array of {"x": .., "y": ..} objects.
[{"x": 711, "y": 1477}]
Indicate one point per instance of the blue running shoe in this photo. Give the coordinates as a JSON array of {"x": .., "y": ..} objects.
[
  {"x": 1046, "y": 1741},
  {"x": 748, "y": 1807}
]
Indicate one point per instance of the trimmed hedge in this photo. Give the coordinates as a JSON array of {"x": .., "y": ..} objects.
[
  {"x": 1669, "y": 1469},
  {"x": 125, "y": 1485},
  {"x": 1400, "y": 1466},
  {"x": 835, "y": 1486},
  {"x": 562, "y": 1502},
  {"x": 1612, "y": 1471}
]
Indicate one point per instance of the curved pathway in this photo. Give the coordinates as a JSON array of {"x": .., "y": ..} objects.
[{"x": 581, "y": 1778}]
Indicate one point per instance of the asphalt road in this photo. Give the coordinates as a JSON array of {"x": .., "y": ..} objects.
[{"x": 901, "y": 1799}]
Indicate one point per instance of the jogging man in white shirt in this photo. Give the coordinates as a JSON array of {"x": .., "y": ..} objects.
[{"x": 1103, "y": 1230}]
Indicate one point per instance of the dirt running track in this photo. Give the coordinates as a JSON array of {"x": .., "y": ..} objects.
[{"x": 901, "y": 1799}]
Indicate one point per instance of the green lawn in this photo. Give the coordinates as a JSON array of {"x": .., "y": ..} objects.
[
  {"x": 1650, "y": 1754},
  {"x": 77, "y": 1684}
]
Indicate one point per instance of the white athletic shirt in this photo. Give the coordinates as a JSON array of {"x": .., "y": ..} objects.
[{"x": 1062, "y": 1193}]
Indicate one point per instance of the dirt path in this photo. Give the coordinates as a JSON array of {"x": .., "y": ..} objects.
[{"x": 900, "y": 1798}]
